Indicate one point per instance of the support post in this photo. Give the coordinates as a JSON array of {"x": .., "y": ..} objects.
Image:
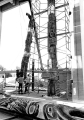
[
  {"x": 53, "y": 87},
  {"x": 78, "y": 56},
  {"x": 32, "y": 75},
  {"x": 1, "y": 85},
  {"x": 0, "y": 24}
]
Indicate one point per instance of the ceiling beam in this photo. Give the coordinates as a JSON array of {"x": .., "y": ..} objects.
[
  {"x": 3, "y": 2},
  {"x": 11, "y": 4}
]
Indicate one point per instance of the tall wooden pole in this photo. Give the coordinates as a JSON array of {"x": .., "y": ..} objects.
[{"x": 53, "y": 87}]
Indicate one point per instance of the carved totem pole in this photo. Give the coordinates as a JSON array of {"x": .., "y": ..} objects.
[
  {"x": 25, "y": 59},
  {"x": 53, "y": 82}
]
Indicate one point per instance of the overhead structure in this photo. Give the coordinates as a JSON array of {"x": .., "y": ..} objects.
[
  {"x": 4, "y": 2},
  {"x": 9, "y": 4}
]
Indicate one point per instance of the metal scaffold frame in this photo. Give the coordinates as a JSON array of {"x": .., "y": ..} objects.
[{"x": 63, "y": 34}]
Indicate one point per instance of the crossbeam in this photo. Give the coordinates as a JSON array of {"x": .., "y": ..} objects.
[
  {"x": 56, "y": 35},
  {"x": 35, "y": 71},
  {"x": 55, "y": 8},
  {"x": 14, "y": 71}
]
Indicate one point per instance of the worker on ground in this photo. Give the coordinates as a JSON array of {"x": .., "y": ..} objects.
[
  {"x": 4, "y": 81},
  {"x": 20, "y": 81},
  {"x": 27, "y": 82}
]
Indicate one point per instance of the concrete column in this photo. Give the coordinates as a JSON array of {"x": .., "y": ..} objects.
[
  {"x": 0, "y": 24},
  {"x": 82, "y": 39},
  {"x": 78, "y": 67}
]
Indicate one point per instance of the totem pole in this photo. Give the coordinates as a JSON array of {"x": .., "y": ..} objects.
[
  {"x": 25, "y": 59},
  {"x": 53, "y": 82}
]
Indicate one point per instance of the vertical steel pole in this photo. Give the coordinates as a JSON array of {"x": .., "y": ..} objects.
[{"x": 32, "y": 75}]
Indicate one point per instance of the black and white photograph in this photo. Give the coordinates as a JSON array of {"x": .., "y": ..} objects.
[{"x": 41, "y": 59}]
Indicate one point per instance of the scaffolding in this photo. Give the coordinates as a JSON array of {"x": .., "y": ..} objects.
[{"x": 63, "y": 13}]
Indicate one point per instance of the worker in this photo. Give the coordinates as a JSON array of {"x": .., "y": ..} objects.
[
  {"x": 20, "y": 81},
  {"x": 4, "y": 81},
  {"x": 27, "y": 82}
]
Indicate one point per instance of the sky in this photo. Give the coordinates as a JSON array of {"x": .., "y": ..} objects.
[{"x": 14, "y": 31}]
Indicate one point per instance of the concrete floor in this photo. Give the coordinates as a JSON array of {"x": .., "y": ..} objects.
[{"x": 41, "y": 95}]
